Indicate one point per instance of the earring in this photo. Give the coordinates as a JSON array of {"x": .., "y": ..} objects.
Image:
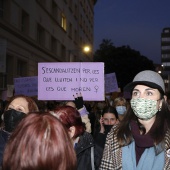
[{"x": 160, "y": 108}]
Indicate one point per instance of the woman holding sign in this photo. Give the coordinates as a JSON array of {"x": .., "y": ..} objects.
[{"x": 78, "y": 103}]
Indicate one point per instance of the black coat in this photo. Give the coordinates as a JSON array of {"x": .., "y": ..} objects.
[
  {"x": 100, "y": 140},
  {"x": 3, "y": 140},
  {"x": 83, "y": 152}
]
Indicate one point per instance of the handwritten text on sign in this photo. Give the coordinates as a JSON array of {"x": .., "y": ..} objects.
[
  {"x": 62, "y": 80},
  {"x": 26, "y": 85}
]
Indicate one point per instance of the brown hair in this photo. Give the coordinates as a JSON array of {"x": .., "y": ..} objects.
[
  {"x": 158, "y": 131},
  {"x": 32, "y": 107},
  {"x": 119, "y": 99},
  {"x": 39, "y": 142}
]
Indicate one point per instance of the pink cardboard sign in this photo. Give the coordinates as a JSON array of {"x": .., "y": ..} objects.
[{"x": 62, "y": 80}]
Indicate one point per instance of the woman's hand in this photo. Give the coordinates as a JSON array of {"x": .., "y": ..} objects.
[
  {"x": 101, "y": 125},
  {"x": 78, "y": 100}
]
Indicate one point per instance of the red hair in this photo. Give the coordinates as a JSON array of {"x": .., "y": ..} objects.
[
  {"x": 69, "y": 116},
  {"x": 39, "y": 142}
]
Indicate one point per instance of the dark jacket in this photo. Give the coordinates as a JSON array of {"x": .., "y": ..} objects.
[
  {"x": 100, "y": 140},
  {"x": 3, "y": 140},
  {"x": 83, "y": 152}
]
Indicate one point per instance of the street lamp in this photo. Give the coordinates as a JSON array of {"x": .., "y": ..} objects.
[{"x": 86, "y": 49}]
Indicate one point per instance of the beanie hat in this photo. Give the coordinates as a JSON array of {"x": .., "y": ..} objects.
[{"x": 148, "y": 78}]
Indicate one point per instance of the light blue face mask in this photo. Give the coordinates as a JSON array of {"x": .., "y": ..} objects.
[{"x": 121, "y": 109}]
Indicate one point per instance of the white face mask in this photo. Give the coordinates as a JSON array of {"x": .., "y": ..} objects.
[
  {"x": 121, "y": 109},
  {"x": 144, "y": 108}
]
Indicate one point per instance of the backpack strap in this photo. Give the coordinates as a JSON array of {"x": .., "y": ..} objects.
[{"x": 92, "y": 158}]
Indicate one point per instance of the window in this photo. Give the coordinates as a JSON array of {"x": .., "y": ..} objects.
[
  {"x": 70, "y": 30},
  {"x": 25, "y": 22},
  {"x": 41, "y": 35},
  {"x": 70, "y": 4},
  {"x": 21, "y": 68},
  {"x": 165, "y": 47},
  {"x": 166, "y": 31},
  {"x": 63, "y": 21},
  {"x": 76, "y": 11},
  {"x": 63, "y": 51},
  {"x": 167, "y": 56},
  {"x": 166, "y": 39},
  {"x": 54, "y": 10},
  {"x": 1, "y": 8},
  {"x": 42, "y": 2},
  {"x": 53, "y": 45},
  {"x": 75, "y": 36}
]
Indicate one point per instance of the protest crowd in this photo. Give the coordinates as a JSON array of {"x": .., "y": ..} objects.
[{"x": 112, "y": 134}]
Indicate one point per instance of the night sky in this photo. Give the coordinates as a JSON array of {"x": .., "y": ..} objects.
[{"x": 137, "y": 23}]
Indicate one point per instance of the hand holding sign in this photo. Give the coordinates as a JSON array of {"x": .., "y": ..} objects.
[{"x": 78, "y": 101}]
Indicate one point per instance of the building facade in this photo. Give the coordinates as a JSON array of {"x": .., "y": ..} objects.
[
  {"x": 33, "y": 31},
  {"x": 165, "y": 53}
]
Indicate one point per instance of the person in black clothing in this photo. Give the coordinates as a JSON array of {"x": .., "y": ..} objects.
[
  {"x": 16, "y": 109},
  {"x": 87, "y": 157},
  {"x": 108, "y": 119}
]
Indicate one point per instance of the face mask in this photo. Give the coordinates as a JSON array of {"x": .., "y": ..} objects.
[
  {"x": 108, "y": 127},
  {"x": 121, "y": 109},
  {"x": 144, "y": 108},
  {"x": 12, "y": 118}
]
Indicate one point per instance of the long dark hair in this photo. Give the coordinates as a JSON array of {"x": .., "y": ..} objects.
[
  {"x": 110, "y": 109},
  {"x": 159, "y": 127}
]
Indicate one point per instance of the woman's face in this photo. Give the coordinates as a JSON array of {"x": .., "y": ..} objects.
[
  {"x": 20, "y": 104},
  {"x": 109, "y": 119},
  {"x": 141, "y": 91},
  {"x": 145, "y": 92},
  {"x": 120, "y": 103}
]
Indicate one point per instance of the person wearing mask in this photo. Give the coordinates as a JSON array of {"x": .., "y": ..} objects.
[
  {"x": 121, "y": 106},
  {"x": 142, "y": 139},
  {"x": 87, "y": 158},
  {"x": 16, "y": 109},
  {"x": 108, "y": 119},
  {"x": 39, "y": 142},
  {"x": 98, "y": 110}
]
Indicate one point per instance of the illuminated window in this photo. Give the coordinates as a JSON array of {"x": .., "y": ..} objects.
[
  {"x": 165, "y": 55},
  {"x": 165, "y": 47},
  {"x": 166, "y": 31},
  {"x": 63, "y": 21},
  {"x": 166, "y": 64},
  {"x": 166, "y": 39}
]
